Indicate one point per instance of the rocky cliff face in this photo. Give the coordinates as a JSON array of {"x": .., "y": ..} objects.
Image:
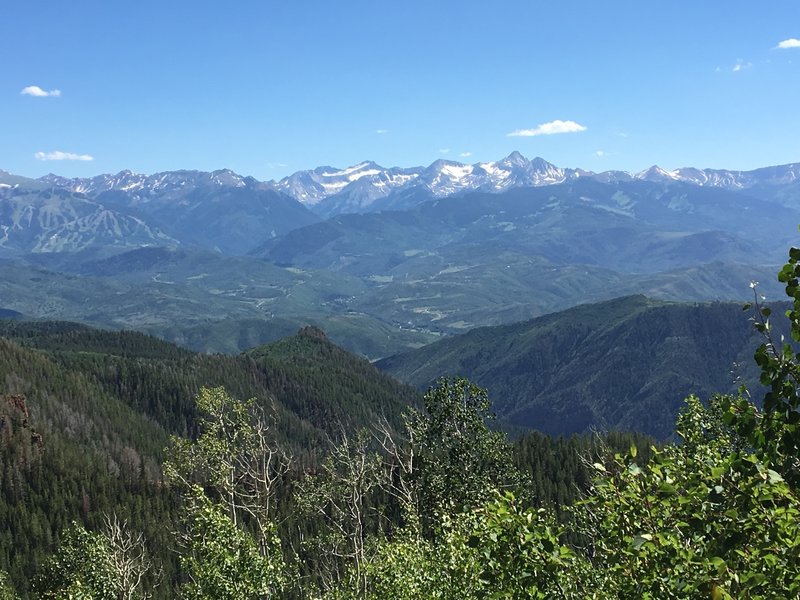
[{"x": 15, "y": 421}]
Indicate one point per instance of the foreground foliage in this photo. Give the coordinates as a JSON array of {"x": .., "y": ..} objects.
[
  {"x": 229, "y": 476},
  {"x": 703, "y": 518},
  {"x": 224, "y": 562}
]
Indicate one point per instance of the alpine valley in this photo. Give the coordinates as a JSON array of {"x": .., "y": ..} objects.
[
  {"x": 383, "y": 259},
  {"x": 402, "y": 261}
]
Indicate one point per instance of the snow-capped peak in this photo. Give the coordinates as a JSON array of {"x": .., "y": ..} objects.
[
  {"x": 356, "y": 171},
  {"x": 358, "y": 187},
  {"x": 311, "y": 187},
  {"x": 656, "y": 173},
  {"x": 226, "y": 177},
  {"x": 143, "y": 186},
  {"x": 516, "y": 159}
]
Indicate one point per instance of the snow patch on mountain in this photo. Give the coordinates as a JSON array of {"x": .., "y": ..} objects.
[
  {"x": 312, "y": 187},
  {"x": 170, "y": 185},
  {"x": 356, "y": 188},
  {"x": 657, "y": 174}
]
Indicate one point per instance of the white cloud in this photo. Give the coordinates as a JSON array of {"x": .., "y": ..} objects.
[
  {"x": 444, "y": 150},
  {"x": 59, "y": 155},
  {"x": 465, "y": 154},
  {"x": 381, "y": 131},
  {"x": 790, "y": 43},
  {"x": 35, "y": 90},
  {"x": 741, "y": 65},
  {"x": 278, "y": 165},
  {"x": 551, "y": 128},
  {"x": 600, "y": 153}
]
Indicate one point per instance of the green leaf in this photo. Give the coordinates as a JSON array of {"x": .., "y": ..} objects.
[{"x": 773, "y": 476}]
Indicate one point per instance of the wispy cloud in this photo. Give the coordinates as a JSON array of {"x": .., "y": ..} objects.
[
  {"x": 790, "y": 43},
  {"x": 551, "y": 128},
  {"x": 381, "y": 131},
  {"x": 600, "y": 153},
  {"x": 444, "y": 150},
  {"x": 35, "y": 90},
  {"x": 276, "y": 165},
  {"x": 59, "y": 155},
  {"x": 741, "y": 65},
  {"x": 465, "y": 154}
]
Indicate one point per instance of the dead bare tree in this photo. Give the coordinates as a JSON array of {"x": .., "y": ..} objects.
[
  {"x": 339, "y": 493},
  {"x": 237, "y": 455},
  {"x": 258, "y": 470},
  {"x": 129, "y": 558},
  {"x": 399, "y": 456}
]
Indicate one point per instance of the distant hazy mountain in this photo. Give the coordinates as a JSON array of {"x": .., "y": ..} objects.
[
  {"x": 636, "y": 226},
  {"x": 219, "y": 210},
  {"x": 488, "y": 258},
  {"x": 313, "y": 186},
  {"x": 462, "y": 246},
  {"x": 169, "y": 185},
  {"x": 623, "y": 364},
  {"x": 58, "y": 220},
  {"x": 368, "y": 186},
  {"x": 731, "y": 180}
]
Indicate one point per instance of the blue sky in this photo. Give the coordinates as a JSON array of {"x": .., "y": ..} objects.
[{"x": 267, "y": 88}]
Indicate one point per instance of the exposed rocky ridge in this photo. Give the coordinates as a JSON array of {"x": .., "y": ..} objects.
[{"x": 363, "y": 187}]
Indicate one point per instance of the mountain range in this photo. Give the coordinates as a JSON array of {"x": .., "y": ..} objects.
[
  {"x": 222, "y": 262},
  {"x": 218, "y": 210},
  {"x": 369, "y": 187},
  {"x": 364, "y": 186},
  {"x": 232, "y": 214}
]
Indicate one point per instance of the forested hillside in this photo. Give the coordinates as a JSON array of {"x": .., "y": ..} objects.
[
  {"x": 71, "y": 451},
  {"x": 623, "y": 364},
  {"x": 336, "y": 481},
  {"x": 99, "y": 407},
  {"x": 86, "y": 415}
]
